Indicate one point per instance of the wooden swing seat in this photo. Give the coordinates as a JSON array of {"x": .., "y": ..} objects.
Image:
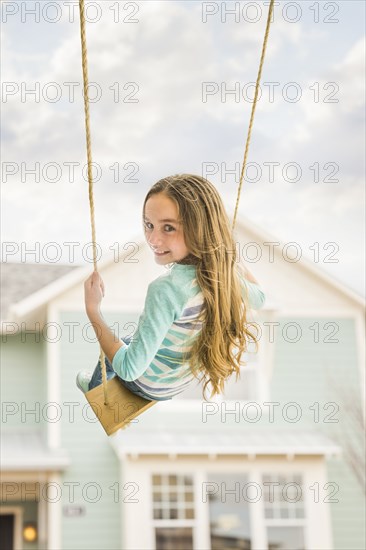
[{"x": 123, "y": 405}]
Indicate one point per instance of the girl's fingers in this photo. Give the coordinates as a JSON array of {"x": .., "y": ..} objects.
[
  {"x": 90, "y": 280},
  {"x": 94, "y": 279}
]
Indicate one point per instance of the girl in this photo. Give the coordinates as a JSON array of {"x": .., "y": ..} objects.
[{"x": 194, "y": 321}]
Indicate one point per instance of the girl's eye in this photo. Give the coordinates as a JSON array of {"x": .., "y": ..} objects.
[{"x": 171, "y": 228}]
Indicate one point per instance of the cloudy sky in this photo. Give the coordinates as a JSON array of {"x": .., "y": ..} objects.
[{"x": 172, "y": 93}]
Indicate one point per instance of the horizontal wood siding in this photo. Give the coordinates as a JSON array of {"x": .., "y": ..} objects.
[
  {"x": 308, "y": 372},
  {"x": 94, "y": 464},
  {"x": 23, "y": 380}
]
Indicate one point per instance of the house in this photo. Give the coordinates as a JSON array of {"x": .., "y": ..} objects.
[{"x": 273, "y": 463}]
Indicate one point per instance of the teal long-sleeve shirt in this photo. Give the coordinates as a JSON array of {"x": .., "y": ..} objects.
[{"x": 166, "y": 328}]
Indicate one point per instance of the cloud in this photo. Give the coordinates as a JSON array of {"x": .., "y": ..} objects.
[{"x": 169, "y": 54}]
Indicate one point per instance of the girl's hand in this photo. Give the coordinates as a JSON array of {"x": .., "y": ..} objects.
[{"x": 94, "y": 292}]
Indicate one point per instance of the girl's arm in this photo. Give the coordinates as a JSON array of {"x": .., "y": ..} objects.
[
  {"x": 255, "y": 294},
  {"x": 247, "y": 274},
  {"x": 94, "y": 292}
]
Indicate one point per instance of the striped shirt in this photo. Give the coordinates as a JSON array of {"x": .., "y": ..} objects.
[{"x": 166, "y": 329}]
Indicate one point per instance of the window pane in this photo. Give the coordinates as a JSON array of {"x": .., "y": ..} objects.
[
  {"x": 178, "y": 538},
  {"x": 300, "y": 513},
  {"x": 173, "y": 496},
  {"x": 193, "y": 391},
  {"x": 283, "y": 496},
  {"x": 285, "y": 538},
  {"x": 229, "y": 512},
  {"x": 245, "y": 389}
]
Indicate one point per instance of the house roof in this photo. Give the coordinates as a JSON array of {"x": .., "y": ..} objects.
[
  {"x": 18, "y": 281},
  {"x": 22, "y": 297},
  {"x": 311, "y": 267},
  {"x": 285, "y": 442},
  {"x": 25, "y": 450}
]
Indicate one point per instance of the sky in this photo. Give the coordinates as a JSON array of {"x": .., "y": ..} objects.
[{"x": 172, "y": 92}]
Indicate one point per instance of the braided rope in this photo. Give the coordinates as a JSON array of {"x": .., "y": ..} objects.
[
  {"x": 253, "y": 110},
  {"x": 90, "y": 172},
  {"x": 89, "y": 155}
]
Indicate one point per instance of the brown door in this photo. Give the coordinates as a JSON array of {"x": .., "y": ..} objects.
[{"x": 7, "y": 522}]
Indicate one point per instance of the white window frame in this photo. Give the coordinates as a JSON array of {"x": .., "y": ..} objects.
[
  {"x": 288, "y": 522},
  {"x": 171, "y": 523},
  {"x": 141, "y": 470}
]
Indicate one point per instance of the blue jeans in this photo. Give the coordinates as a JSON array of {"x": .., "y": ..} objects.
[{"x": 96, "y": 379}]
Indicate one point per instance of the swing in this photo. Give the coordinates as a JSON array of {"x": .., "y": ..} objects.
[{"x": 114, "y": 405}]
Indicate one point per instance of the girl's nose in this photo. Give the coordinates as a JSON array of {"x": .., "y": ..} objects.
[{"x": 154, "y": 241}]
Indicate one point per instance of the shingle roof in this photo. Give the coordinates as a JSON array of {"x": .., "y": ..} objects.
[{"x": 19, "y": 280}]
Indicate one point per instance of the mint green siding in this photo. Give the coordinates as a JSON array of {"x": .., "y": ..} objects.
[
  {"x": 324, "y": 377},
  {"x": 23, "y": 380},
  {"x": 94, "y": 465}
]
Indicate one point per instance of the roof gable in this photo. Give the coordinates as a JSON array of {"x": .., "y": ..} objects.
[
  {"x": 21, "y": 280},
  {"x": 38, "y": 284}
]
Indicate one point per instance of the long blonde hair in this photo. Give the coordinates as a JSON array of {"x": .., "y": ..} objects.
[{"x": 217, "y": 350}]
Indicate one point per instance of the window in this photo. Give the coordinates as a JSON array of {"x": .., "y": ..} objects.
[
  {"x": 285, "y": 538},
  {"x": 284, "y": 511},
  {"x": 214, "y": 510},
  {"x": 229, "y": 512},
  {"x": 247, "y": 386},
  {"x": 194, "y": 391},
  {"x": 176, "y": 538},
  {"x": 245, "y": 389},
  {"x": 173, "y": 511}
]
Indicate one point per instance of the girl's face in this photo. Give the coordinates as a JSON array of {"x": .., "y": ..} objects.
[{"x": 163, "y": 231}]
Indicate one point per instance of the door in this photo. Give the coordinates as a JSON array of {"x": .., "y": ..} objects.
[{"x": 7, "y": 523}]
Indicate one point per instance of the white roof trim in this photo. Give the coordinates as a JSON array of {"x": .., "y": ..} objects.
[
  {"x": 165, "y": 442},
  {"x": 25, "y": 450},
  {"x": 36, "y": 463},
  {"x": 305, "y": 262},
  {"x": 214, "y": 451},
  {"x": 52, "y": 290}
]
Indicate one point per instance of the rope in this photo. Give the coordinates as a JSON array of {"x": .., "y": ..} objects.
[
  {"x": 253, "y": 110},
  {"x": 90, "y": 172},
  {"x": 89, "y": 155}
]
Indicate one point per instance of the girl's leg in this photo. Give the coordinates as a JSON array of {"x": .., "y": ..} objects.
[{"x": 96, "y": 379}]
